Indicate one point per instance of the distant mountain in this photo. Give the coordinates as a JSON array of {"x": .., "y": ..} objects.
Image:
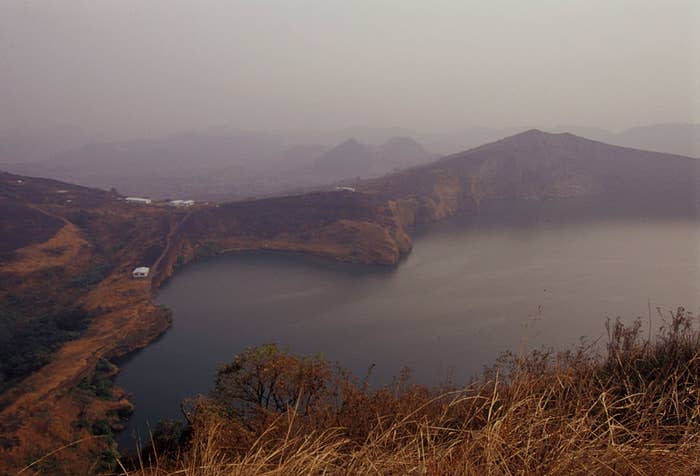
[
  {"x": 363, "y": 134},
  {"x": 174, "y": 156},
  {"x": 352, "y": 159},
  {"x": 174, "y": 166},
  {"x": 206, "y": 166},
  {"x": 673, "y": 138},
  {"x": 399, "y": 153},
  {"x": 348, "y": 159},
  {"x": 464, "y": 138},
  {"x": 440, "y": 143},
  {"x": 589, "y": 132},
  {"x": 40, "y": 144},
  {"x": 535, "y": 165},
  {"x": 681, "y": 139},
  {"x": 301, "y": 155},
  {"x": 231, "y": 164}
]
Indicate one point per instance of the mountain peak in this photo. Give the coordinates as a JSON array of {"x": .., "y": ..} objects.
[
  {"x": 351, "y": 142},
  {"x": 530, "y": 133},
  {"x": 536, "y": 165},
  {"x": 401, "y": 141},
  {"x": 533, "y": 137},
  {"x": 350, "y": 146},
  {"x": 344, "y": 159}
]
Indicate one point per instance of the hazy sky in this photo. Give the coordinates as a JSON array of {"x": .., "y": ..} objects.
[{"x": 148, "y": 67}]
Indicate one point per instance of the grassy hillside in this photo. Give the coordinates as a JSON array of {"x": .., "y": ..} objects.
[{"x": 66, "y": 302}]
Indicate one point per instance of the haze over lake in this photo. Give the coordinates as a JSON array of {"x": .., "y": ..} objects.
[{"x": 471, "y": 289}]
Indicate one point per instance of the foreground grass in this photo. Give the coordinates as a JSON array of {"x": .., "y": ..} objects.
[{"x": 633, "y": 410}]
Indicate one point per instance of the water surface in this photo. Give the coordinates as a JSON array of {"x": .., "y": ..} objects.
[{"x": 470, "y": 289}]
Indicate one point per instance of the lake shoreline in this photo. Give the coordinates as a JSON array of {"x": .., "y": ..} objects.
[{"x": 393, "y": 273}]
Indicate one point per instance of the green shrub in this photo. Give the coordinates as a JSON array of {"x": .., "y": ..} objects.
[
  {"x": 101, "y": 427},
  {"x": 27, "y": 342},
  {"x": 92, "y": 277}
]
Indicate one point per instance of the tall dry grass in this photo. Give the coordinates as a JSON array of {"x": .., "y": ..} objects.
[{"x": 634, "y": 409}]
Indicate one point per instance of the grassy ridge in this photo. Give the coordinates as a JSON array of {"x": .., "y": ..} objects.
[{"x": 634, "y": 409}]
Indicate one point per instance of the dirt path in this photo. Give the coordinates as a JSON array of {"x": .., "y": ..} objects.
[{"x": 168, "y": 246}]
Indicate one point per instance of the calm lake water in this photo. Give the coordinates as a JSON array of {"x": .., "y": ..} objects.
[{"x": 471, "y": 289}]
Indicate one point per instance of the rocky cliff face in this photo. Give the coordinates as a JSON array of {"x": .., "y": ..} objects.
[{"x": 342, "y": 225}]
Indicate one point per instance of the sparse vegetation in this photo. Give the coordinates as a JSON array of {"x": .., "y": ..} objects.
[
  {"x": 55, "y": 251},
  {"x": 100, "y": 384},
  {"x": 632, "y": 410},
  {"x": 207, "y": 249},
  {"x": 93, "y": 276},
  {"x": 81, "y": 218},
  {"x": 101, "y": 427},
  {"x": 179, "y": 262},
  {"x": 27, "y": 344}
]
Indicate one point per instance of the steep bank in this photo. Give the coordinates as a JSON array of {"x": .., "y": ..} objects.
[{"x": 340, "y": 225}]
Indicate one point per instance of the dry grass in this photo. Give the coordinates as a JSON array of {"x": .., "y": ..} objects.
[
  {"x": 634, "y": 410},
  {"x": 66, "y": 248}
]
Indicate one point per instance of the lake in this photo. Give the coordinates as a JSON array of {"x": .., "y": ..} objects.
[{"x": 472, "y": 288}]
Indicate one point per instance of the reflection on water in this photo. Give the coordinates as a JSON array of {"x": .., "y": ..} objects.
[{"x": 471, "y": 289}]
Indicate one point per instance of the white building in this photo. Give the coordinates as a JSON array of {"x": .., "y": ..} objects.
[
  {"x": 144, "y": 201},
  {"x": 181, "y": 203},
  {"x": 140, "y": 272},
  {"x": 341, "y": 188}
]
